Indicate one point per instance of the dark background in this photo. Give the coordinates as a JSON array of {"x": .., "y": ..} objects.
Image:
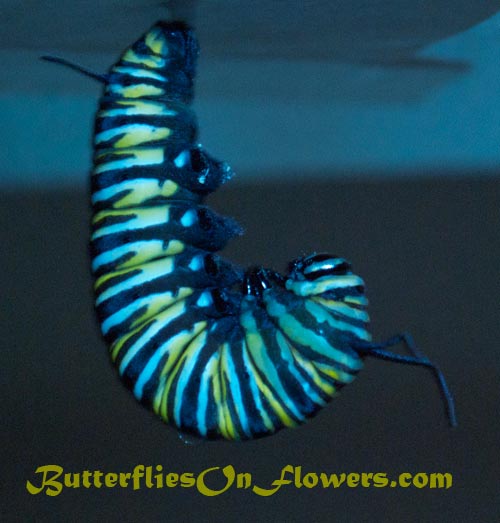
[
  {"x": 366, "y": 128},
  {"x": 428, "y": 251}
]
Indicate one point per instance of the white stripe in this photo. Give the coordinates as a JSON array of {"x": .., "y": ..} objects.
[
  {"x": 254, "y": 388},
  {"x": 140, "y": 73},
  {"x": 296, "y": 331},
  {"x": 159, "y": 323},
  {"x": 157, "y": 111},
  {"x": 154, "y": 361},
  {"x": 124, "y": 313},
  {"x": 267, "y": 367},
  {"x": 130, "y": 162},
  {"x": 194, "y": 348},
  {"x": 104, "y": 136},
  {"x": 343, "y": 309},
  {"x": 201, "y": 413},
  {"x": 320, "y": 314},
  {"x": 116, "y": 253},
  {"x": 234, "y": 385},
  {"x": 324, "y": 265},
  {"x": 324, "y": 284},
  {"x": 287, "y": 355},
  {"x": 113, "y": 190},
  {"x": 149, "y": 271},
  {"x": 148, "y": 217}
]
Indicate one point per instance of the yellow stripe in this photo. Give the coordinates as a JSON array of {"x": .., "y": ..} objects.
[
  {"x": 321, "y": 315},
  {"x": 329, "y": 371},
  {"x": 155, "y": 214},
  {"x": 231, "y": 430},
  {"x": 137, "y": 157},
  {"x": 175, "y": 347},
  {"x": 309, "y": 367},
  {"x": 135, "y": 91},
  {"x": 154, "y": 62},
  {"x": 322, "y": 285},
  {"x": 256, "y": 345},
  {"x": 262, "y": 387},
  {"x": 198, "y": 340},
  {"x": 159, "y": 303},
  {"x": 141, "y": 192},
  {"x": 342, "y": 308},
  {"x": 137, "y": 107},
  {"x": 165, "y": 315},
  {"x": 164, "y": 265},
  {"x": 216, "y": 389},
  {"x": 135, "y": 192},
  {"x": 155, "y": 41},
  {"x": 145, "y": 136},
  {"x": 116, "y": 347},
  {"x": 356, "y": 300},
  {"x": 153, "y": 249}
]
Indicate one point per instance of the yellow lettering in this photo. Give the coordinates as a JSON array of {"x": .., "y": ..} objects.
[
  {"x": 159, "y": 476},
  {"x": 187, "y": 480},
  {"x": 310, "y": 480},
  {"x": 228, "y": 471},
  {"x": 380, "y": 479},
  {"x": 353, "y": 479},
  {"x": 172, "y": 479},
  {"x": 333, "y": 480},
  {"x": 439, "y": 480},
  {"x": 243, "y": 480},
  {"x": 86, "y": 475},
  {"x": 298, "y": 472},
  {"x": 365, "y": 478},
  {"x": 97, "y": 478},
  {"x": 110, "y": 479},
  {"x": 149, "y": 477},
  {"x": 72, "y": 480},
  {"x": 123, "y": 478},
  {"x": 420, "y": 480},
  {"x": 404, "y": 480},
  {"x": 277, "y": 483},
  {"x": 137, "y": 474},
  {"x": 54, "y": 488}
]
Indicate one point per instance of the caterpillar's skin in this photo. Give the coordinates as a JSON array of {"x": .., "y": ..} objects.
[{"x": 213, "y": 350}]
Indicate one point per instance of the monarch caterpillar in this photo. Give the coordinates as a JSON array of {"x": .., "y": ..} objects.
[{"x": 215, "y": 350}]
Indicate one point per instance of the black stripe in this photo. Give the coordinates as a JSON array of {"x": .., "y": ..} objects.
[
  {"x": 255, "y": 422},
  {"x": 291, "y": 385},
  {"x": 184, "y": 322},
  {"x": 182, "y": 125},
  {"x": 214, "y": 176},
  {"x": 217, "y": 335},
  {"x": 339, "y": 339}
]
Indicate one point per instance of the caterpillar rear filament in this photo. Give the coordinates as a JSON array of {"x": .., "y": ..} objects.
[{"x": 214, "y": 350}]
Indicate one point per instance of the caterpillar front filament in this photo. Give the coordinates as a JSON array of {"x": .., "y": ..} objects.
[{"x": 215, "y": 350}]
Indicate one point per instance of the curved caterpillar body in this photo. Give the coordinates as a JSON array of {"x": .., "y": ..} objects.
[{"x": 214, "y": 350}]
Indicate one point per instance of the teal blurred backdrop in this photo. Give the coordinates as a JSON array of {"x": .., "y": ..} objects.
[{"x": 285, "y": 89}]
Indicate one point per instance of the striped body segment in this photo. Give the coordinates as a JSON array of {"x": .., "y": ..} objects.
[{"x": 215, "y": 351}]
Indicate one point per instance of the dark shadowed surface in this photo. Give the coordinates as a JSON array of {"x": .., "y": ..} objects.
[
  {"x": 356, "y": 31},
  {"x": 428, "y": 251}
]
